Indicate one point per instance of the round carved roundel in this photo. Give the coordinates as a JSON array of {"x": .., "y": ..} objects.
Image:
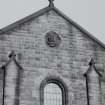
[{"x": 53, "y": 39}]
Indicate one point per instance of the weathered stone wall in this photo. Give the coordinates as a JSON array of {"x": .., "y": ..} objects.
[
  {"x": 68, "y": 62},
  {"x": 103, "y": 92},
  {"x": 1, "y": 85}
]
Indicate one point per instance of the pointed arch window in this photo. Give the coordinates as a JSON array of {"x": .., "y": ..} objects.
[{"x": 53, "y": 92}]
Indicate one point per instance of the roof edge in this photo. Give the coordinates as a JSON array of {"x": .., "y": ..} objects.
[
  {"x": 46, "y": 9},
  {"x": 79, "y": 27},
  {"x": 25, "y": 19}
]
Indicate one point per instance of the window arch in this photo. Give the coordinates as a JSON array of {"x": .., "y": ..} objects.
[{"x": 53, "y": 92}]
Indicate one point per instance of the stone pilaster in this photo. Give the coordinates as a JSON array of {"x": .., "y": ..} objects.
[
  {"x": 11, "y": 74},
  {"x": 93, "y": 85}
]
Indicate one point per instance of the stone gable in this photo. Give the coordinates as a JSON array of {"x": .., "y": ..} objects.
[{"x": 69, "y": 61}]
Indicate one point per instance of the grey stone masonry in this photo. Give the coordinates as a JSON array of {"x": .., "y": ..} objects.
[{"x": 67, "y": 61}]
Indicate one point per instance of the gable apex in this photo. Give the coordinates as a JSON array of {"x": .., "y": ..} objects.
[{"x": 47, "y": 9}]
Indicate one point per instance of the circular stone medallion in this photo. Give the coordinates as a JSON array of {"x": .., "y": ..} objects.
[{"x": 53, "y": 39}]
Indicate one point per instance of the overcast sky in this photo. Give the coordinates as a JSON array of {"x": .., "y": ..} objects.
[{"x": 90, "y": 14}]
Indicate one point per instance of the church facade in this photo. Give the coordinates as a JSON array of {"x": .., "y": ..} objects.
[{"x": 48, "y": 59}]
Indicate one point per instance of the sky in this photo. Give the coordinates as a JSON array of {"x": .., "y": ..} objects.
[{"x": 90, "y": 14}]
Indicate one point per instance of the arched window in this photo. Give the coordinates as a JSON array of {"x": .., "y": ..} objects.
[{"x": 53, "y": 92}]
